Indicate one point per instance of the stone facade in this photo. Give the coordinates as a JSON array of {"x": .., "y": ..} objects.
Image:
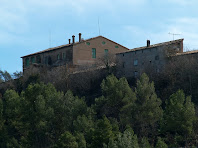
[
  {"x": 151, "y": 57},
  {"x": 74, "y": 55}
]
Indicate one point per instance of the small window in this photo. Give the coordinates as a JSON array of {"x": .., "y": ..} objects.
[
  {"x": 123, "y": 54},
  {"x": 93, "y": 53},
  {"x": 116, "y": 46},
  {"x": 46, "y": 60},
  {"x": 38, "y": 59},
  {"x": 123, "y": 64},
  {"x": 135, "y": 62},
  {"x": 58, "y": 56},
  {"x": 150, "y": 61},
  {"x": 135, "y": 52},
  {"x": 27, "y": 62},
  {"x": 64, "y": 55},
  {"x": 103, "y": 42},
  {"x": 142, "y": 51},
  {"x": 88, "y": 43},
  {"x": 32, "y": 60},
  {"x": 135, "y": 74},
  {"x": 106, "y": 51}
]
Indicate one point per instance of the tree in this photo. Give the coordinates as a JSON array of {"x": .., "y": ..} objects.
[
  {"x": 179, "y": 115},
  {"x": 17, "y": 74},
  {"x": 5, "y": 76},
  {"x": 160, "y": 143},
  {"x": 67, "y": 140},
  {"x": 116, "y": 94},
  {"x": 126, "y": 140},
  {"x": 145, "y": 143},
  {"x": 148, "y": 111},
  {"x": 102, "y": 133}
]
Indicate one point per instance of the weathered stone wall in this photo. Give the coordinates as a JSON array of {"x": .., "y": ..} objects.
[{"x": 153, "y": 59}]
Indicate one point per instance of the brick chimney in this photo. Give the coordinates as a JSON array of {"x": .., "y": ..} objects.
[
  {"x": 73, "y": 39},
  {"x": 148, "y": 43},
  {"x": 80, "y": 37},
  {"x": 69, "y": 41}
]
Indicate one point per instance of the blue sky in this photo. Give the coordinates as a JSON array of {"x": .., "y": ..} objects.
[{"x": 27, "y": 25}]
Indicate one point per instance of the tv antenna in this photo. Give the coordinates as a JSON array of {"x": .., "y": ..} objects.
[
  {"x": 99, "y": 25},
  {"x": 173, "y": 34},
  {"x": 49, "y": 38}
]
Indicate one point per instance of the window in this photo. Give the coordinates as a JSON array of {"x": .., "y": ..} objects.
[
  {"x": 135, "y": 74},
  {"x": 142, "y": 51},
  {"x": 123, "y": 54},
  {"x": 63, "y": 55},
  {"x": 93, "y": 53},
  {"x": 58, "y": 56},
  {"x": 157, "y": 70},
  {"x": 103, "y": 42},
  {"x": 135, "y": 62},
  {"x": 87, "y": 43},
  {"x": 123, "y": 64},
  {"x": 27, "y": 62},
  {"x": 32, "y": 60},
  {"x": 116, "y": 47},
  {"x": 106, "y": 51},
  {"x": 46, "y": 60},
  {"x": 38, "y": 59}
]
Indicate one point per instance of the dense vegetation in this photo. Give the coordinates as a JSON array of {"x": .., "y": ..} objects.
[{"x": 122, "y": 117}]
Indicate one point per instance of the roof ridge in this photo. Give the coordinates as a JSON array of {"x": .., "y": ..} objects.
[
  {"x": 65, "y": 45},
  {"x": 154, "y": 45}
]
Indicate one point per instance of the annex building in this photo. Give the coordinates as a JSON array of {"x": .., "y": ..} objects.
[{"x": 150, "y": 57}]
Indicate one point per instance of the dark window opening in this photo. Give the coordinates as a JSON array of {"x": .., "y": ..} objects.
[
  {"x": 64, "y": 55},
  {"x": 49, "y": 61},
  {"x": 38, "y": 59},
  {"x": 123, "y": 65}
]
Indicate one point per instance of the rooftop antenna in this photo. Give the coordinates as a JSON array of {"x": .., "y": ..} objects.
[
  {"x": 99, "y": 25},
  {"x": 49, "y": 38},
  {"x": 173, "y": 34}
]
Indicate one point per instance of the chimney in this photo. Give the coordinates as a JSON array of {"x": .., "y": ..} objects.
[
  {"x": 148, "y": 43},
  {"x": 80, "y": 37},
  {"x": 73, "y": 39},
  {"x": 69, "y": 41}
]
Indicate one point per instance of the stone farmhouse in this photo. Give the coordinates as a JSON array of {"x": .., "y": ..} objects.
[
  {"x": 150, "y": 57},
  {"x": 74, "y": 55}
]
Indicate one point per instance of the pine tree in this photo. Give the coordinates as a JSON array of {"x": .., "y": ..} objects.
[
  {"x": 67, "y": 140},
  {"x": 179, "y": 115},
  {"x": 148, "y": 109},
  {"x": 116, "y": 94}
]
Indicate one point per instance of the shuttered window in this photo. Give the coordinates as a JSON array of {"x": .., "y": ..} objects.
[
  {"x": 106, "y": 51},
  {"x": 27, "y": 62},
  {"x": 32, "y": 60},
  {"x": 93, "y": 53}
]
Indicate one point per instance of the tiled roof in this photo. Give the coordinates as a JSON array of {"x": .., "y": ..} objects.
[
  {"x": 155, "y": 45},
  {"x": 66, "y": 45}
]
